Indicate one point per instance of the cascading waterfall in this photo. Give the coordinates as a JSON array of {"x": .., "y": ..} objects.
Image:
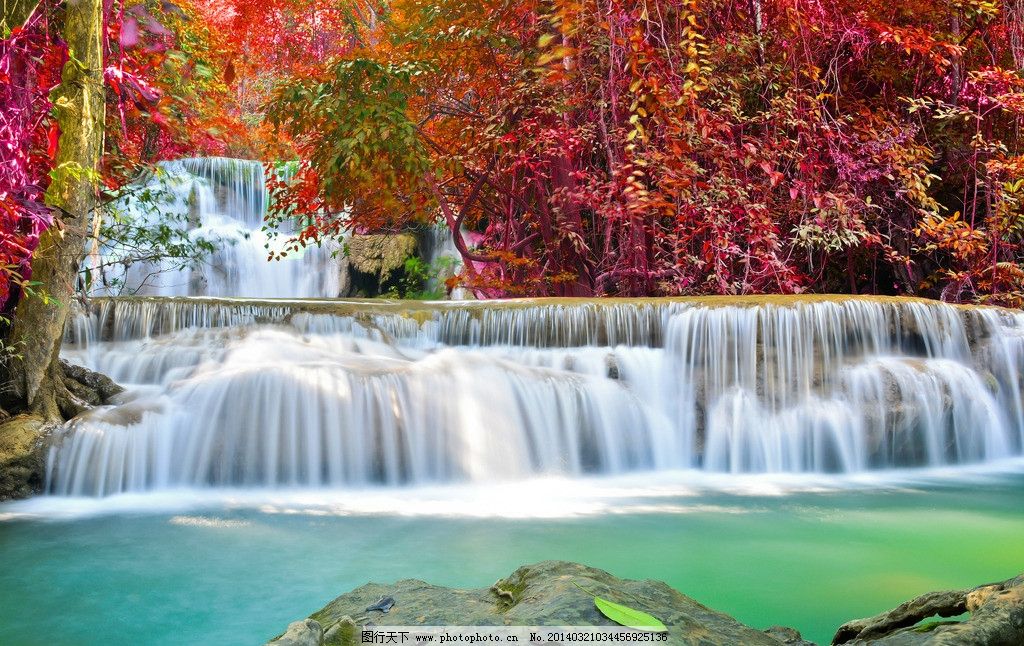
[
  {"x": 226, "y": 391},
  {"x": 220, "y": 201},
  {"x": 244, "y": 393}
]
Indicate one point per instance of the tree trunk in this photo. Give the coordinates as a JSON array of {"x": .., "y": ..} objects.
[
  {"x": 36, "y": 378},
  {"x": 757, "y": 11}
]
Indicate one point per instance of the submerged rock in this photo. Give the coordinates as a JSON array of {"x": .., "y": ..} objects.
[
  {"x": 543, "y": 594},
  {"x": 996, "y": 619}
]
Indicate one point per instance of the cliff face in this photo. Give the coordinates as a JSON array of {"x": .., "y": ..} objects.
[
  {"x": 375, "y": 263},
  {"x": 559, "y": 593}
]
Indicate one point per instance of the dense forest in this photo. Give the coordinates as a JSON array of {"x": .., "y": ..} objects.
[
  {"x": 576, "y": 148},
  {"x": 573, "y": 148}
]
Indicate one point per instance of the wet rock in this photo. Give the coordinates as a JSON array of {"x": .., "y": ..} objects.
[
  {"x": 23, "y": 437},
  {"x": 92, "y": 387},
  {"x": 544, "y": 594},
  {"x": 996, "y": 619},
  {"x": 612, "y": 366},
  {"x": 302, "y": 633},
  {"x": 345, "y": 277}
]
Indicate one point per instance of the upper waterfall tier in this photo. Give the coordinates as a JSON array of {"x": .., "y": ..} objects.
[
  {"x": 216, "y": 201},
  {"x": 245, "y": 393}
]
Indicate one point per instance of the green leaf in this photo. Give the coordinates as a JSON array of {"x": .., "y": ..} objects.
[{"x": 629, "y": 617}]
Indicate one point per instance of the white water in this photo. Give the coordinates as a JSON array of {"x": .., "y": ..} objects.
[
  {"x": 440, "y": 253},
  {"x": 273, "y": 394},
  {"x": 314, "y": 394},
  {"x": 222, "y": 201}
]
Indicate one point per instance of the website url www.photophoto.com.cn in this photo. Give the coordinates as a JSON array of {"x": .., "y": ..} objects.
[{"x": 506, "y": 635}]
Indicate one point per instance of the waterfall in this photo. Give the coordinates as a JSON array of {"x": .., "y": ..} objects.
[
  {"x": 312, "y": 393},
  {"x": 218, "y": 203},
  {"x": 439, "y": 252}
]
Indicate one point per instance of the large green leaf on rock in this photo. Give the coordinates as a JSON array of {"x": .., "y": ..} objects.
[{"x": 629, "y": 617}]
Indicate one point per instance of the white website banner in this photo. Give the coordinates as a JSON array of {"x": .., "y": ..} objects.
[{"x": 506, "y": 635}]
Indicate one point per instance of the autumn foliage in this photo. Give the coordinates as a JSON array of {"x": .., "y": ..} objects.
[
  {"x": 30, "y": 61},
  {"x": 166, "y": 97},
  {"x": 590, "y": 147},
  {"x": 682, "y": 147}
]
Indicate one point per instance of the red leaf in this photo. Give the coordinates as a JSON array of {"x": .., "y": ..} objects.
[{"x": 52, "y": 137}]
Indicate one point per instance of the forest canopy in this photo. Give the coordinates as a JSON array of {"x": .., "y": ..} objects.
[{"x": 574, "y": 147}]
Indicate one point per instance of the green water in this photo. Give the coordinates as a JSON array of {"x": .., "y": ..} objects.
[{"x": 232, "y": 574}]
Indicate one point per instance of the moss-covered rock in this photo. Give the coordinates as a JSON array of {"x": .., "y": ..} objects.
[
  {"x": 22, "y": 462},
  {"x": 376, "y": 262},
  {"x": 996, "y": 619},
  {"x": 543, "y": 594}
]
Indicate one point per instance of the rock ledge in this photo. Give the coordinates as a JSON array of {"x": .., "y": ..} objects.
[
  {"x": 546, "y": 594},
  {"x": 543, "y": 594}
]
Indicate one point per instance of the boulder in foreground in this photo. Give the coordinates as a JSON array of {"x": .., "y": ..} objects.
[
  {"x": 996, "y": 619},
  {"x": 546, "y": 594},
  {"x": 543, "y": 594}
]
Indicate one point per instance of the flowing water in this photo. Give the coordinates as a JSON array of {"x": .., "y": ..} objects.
[
  {"x": 795, "y": 460},
  {"x": 272, "y": 394},
  {"x": 221, "y": 202}
]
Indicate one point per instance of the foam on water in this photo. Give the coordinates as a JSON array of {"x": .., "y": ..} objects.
[
  {"x": 660, "y": 493},
  {"x": 327, "y": 395}
]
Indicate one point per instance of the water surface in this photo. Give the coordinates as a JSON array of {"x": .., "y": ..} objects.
[{"x": 237, "y": 567}]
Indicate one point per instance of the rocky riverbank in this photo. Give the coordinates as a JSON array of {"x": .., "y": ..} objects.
[
  {"x": 558, "y": 593},
  {"x": 23, "y": 435}
]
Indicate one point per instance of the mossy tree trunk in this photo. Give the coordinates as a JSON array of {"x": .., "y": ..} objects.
[{"x": 36, "y": 379}]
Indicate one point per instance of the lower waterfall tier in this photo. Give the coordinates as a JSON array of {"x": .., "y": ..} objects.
[{"x": 332, "y": 395}]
